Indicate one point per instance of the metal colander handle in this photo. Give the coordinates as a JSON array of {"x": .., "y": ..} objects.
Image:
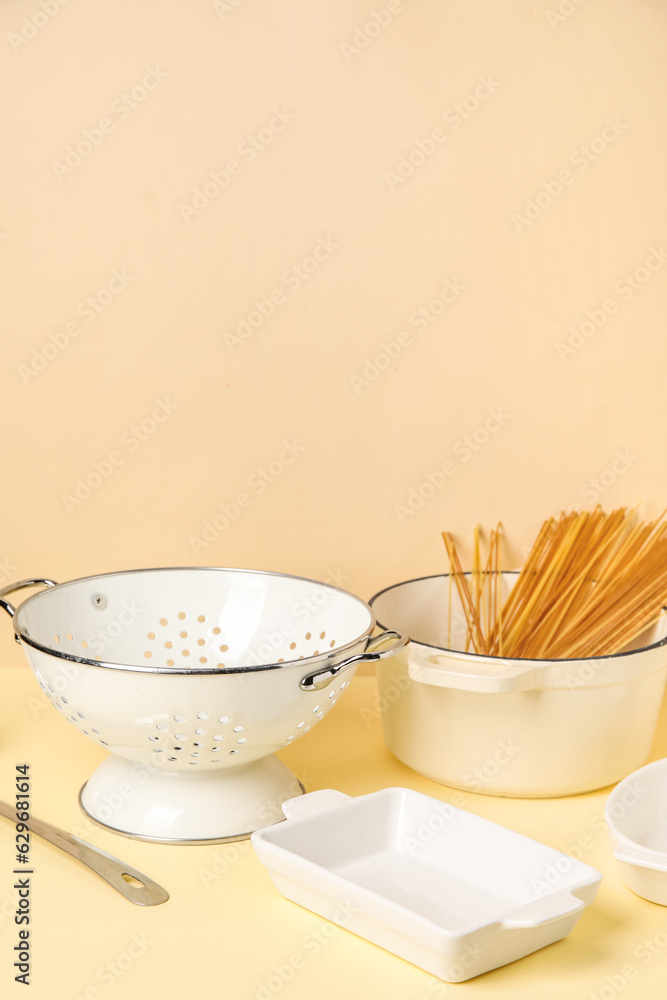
[
  {"x": 38, "y": 581},
  {"x": 319, "y": 679}
]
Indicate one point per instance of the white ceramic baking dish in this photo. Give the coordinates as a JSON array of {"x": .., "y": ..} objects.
[
  {"x": 442, "y": 888},
  {"x": 636, "y": 815},
  {"x": 528, "y": 728}
]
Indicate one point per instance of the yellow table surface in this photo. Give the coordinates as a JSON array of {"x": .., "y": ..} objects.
[{"x": 227, "y": 933}]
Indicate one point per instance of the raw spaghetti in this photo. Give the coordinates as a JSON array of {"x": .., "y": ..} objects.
[{"x": 591, "y": 584}]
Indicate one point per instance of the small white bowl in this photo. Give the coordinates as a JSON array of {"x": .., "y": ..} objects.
[
  {"x": 451, "y": 892},
  {"x": 636, "y": 815}
]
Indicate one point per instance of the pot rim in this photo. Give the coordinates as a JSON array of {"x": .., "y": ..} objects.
[{"x": 506, "y": 659}]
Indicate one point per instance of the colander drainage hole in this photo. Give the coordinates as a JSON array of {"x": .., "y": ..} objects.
[
  {"x": 202, "y": 715},
  {"x": 179, "y": 718},
  {"x": 316, "y": 709},
  {"x": 154, "y": 739},
  {"x": 224, "y": 719},
  {"x": 300, "y": 725},
  {"x": 242, "y": 740},
  {"x": 200, "y": 732},
  {"x": 238, "y": 729},
  {"x": 96, "y": 731},
  {"x": 219, "y": 738},
  {"x": 233, "y": 751},
  {"x": 161, "y": 726}
]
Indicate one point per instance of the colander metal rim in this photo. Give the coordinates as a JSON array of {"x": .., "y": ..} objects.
[
  {"x": 307, "y": 661},
  {"x": 457, "y": 654}
]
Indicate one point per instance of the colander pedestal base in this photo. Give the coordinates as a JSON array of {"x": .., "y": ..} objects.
[{"x": 177, "y": 807}]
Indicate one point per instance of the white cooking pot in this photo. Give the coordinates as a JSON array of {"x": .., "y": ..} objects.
[{"x": 511, "y": 727}]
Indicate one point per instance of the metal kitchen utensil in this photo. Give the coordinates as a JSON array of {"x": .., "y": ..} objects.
[
  {"x": 442, "y": 888},
  {"x": 512, "y": 726},
  {"x": 193, "y": 678},
  {"x": 126, "y": 880}
]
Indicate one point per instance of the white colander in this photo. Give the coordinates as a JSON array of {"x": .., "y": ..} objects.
[{"x": 193, "y": 678}]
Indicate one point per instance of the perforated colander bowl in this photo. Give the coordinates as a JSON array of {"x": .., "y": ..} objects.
[{"x": 192, "y": 678}]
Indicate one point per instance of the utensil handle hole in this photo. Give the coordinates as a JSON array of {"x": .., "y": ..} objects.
[{"x": 131, "y": 880}]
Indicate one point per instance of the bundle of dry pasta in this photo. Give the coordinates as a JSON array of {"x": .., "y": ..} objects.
[{"x": 591, "y": 584}]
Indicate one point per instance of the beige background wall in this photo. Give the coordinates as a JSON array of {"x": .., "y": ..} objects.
[{"x": 367, "y": 196}]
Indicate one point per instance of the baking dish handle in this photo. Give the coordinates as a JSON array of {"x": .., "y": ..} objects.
[
  {"x": 313, "y": 802},
  {"x": 21, "y": 585},
  {"x": 543, "y": 911},
  {"x": 508, "y": 676},
  {"x": 319, "y": 679}
]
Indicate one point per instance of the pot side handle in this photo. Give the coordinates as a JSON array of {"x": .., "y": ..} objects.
[{"x": 500, "y": 677}]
